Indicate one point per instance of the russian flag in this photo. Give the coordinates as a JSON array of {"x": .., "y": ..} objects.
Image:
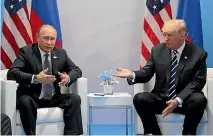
[
  {"x": 45, "y": 12},
  {"x": 189, "y": 10}
]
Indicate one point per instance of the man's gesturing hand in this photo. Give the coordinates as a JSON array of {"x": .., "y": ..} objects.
[
  {"x": 172, "y": 104},
  {"x": 44, "y": 78},
  {"x": 64, "y": 79},
  {"x": 121, "y": 72}
]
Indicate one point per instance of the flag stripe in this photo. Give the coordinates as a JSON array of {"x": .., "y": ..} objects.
[
  {"x": 23, "y": 16},
  {"x": 159, "y": 20},
  {"x": 155, "y": 27},
  {"x": 147, "y": 42},
  {"x": 8, "y": 49},
  {"x": 149, "y": 31},
  {"x": 143, "y": 61},
  {"x": 12, "y": 27},
  {"x": 21, "y": 28},
  {"x": 26, "y": 12},
  {"x": 168, "y": 10},
  {"x": 29, "y": 5},
  {"x": 10, "y": 38},
  {"x": 145, "y": 52},
  {"x": 5, "y": 59},
  {"x": 164, "y": 15}
]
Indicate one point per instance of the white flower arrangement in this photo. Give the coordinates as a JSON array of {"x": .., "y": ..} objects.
[{"x": 107, "y": 78}]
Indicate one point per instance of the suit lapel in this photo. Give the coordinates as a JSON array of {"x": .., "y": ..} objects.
[
  {"x": 37, "y": 57},
  {"x": 182, "y": 62},
  {"x": 167, "y": 59},
  {"x": 54, "y": 60}
]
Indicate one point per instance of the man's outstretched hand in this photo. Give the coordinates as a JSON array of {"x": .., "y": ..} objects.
[{"x": 125, "y": 73}]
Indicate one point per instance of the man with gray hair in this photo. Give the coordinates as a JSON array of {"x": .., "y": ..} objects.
[{"x": 180, "y": 70}]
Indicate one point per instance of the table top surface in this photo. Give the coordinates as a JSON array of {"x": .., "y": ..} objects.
[{"x": 113, "y": 95}]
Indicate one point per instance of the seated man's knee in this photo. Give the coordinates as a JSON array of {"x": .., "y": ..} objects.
[
  {"x": 75, "y": 99},
  {"x": 140, "y": 98},
  {"x": 199, "y": 101},
  {"x": 24, "y": 100}
]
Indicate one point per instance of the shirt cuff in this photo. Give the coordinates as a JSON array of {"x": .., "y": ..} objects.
[
  {"x": 180, "y": 101},
  {"x": 133, "y": 77},
  {"x": 32, "y": 79},
  {"x": 67, "y": 82}
]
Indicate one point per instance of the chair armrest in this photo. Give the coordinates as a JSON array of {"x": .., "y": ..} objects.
[
  {"x": 138, "y": 88},
  {"x": 210, "y": 105},
  {"x": 80, "y": 88},
  {"x": 144, "y": 87},
  {"x": 8, "y": 100},
  {"x": 8, "y": 97}
]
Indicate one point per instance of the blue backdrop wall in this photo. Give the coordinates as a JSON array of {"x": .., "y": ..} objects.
[{"x": 206, "y": 10}]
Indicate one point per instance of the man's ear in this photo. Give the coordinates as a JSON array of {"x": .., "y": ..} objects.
[{"x": 183, "y": 36}]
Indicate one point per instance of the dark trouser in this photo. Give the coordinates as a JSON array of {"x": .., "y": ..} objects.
[
  {"x": 147, "y": 105},
  {"x": 28, "y": 106}
]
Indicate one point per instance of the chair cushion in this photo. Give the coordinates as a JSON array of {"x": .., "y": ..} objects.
[
  {"x": 210, "y": 73},
  {"x": 178, "y": 118},
  {"x": 46, "y": 115},
  {"x": 3, "y": 74}
]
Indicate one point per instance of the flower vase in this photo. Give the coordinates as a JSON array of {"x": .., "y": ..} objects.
[{"x": 108, "y": 89}]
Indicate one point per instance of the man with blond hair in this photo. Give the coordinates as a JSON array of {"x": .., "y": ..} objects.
[{"x": 180, "y": 70}]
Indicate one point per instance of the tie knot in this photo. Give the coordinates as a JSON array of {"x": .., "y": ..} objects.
[
  {"x": 46, "y": 55},
  {"x": 175, "y": 52}
]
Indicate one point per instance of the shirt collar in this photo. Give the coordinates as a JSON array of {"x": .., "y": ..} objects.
[
  {"x": 42, "y": 52},
  {"x": 180, "y": 50}
]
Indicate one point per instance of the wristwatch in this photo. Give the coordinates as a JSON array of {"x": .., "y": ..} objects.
[{"x": 35, "y": 80}]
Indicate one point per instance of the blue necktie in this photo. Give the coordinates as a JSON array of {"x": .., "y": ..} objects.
[
  {"x": 172, "y": 85},
  {"x": 47, "y": 87}
]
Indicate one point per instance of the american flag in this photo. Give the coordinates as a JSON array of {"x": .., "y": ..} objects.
[
  {"x": 16, "y": 30},
  {"x": 22, "y": 19},
  {"x": 156, "y": 12}
]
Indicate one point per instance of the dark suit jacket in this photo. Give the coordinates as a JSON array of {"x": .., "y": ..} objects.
[
  {"x": 28, "y": 62},
  {"x": 191, "y": 70}
]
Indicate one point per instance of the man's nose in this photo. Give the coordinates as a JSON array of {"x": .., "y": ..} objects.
[
  {"x": 49, "y": 41},
  {"x": 166, "y": 38}
]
